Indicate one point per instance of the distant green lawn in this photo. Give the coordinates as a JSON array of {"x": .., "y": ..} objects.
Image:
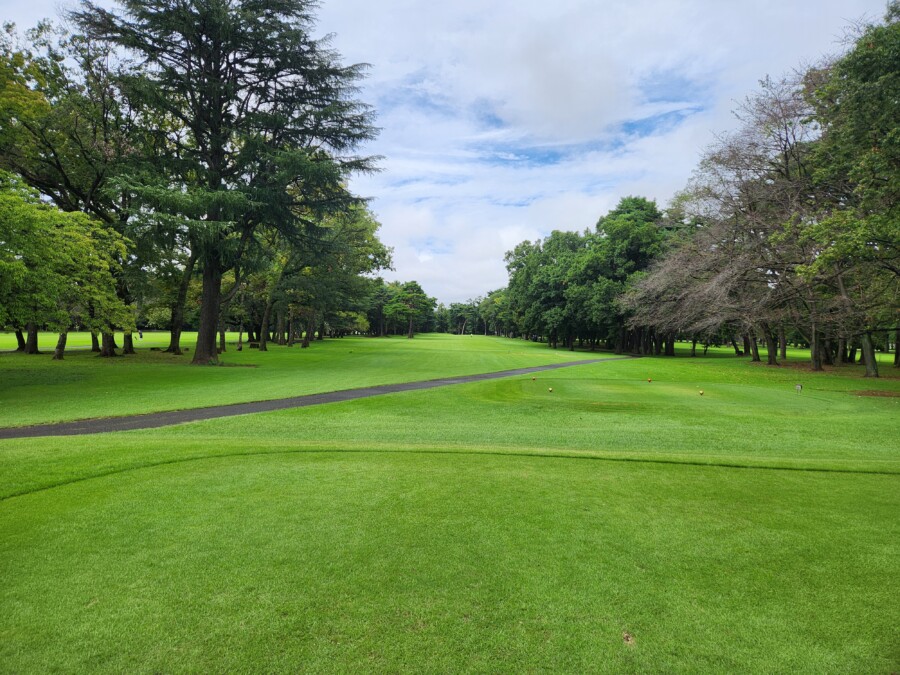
[
  {"x": 497, "y": 526},
  {"x": 37, "y": 389}
]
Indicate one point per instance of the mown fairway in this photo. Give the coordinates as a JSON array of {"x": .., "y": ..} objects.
[{"x": 613, "y": 524}]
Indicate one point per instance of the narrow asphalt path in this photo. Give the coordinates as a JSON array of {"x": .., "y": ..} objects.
[{"x": 165, "y": 419}]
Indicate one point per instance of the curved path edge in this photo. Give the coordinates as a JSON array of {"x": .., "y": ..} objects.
[{"x": 170, "y": 418}]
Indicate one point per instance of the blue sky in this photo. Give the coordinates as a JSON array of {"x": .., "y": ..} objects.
[{"x": 505, "y": 119}]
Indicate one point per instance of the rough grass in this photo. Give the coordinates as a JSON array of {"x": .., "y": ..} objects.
[{"x": 486, "y": 527}]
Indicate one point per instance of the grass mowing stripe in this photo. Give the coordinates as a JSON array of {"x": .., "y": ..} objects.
[{"x": 481, "y": 453}]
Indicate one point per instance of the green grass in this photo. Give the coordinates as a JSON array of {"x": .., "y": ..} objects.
[
  {"x": 486, "y": 527},
  {"x": 38, "y": 390}
]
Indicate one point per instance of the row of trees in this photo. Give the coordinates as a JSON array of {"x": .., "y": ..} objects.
[
  {"x": 792, "y": 222},
  {"x": 192, "y": 160},
  {"x": 788, "y": 230}
]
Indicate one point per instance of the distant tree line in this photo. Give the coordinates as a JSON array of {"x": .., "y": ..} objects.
[
  {"x": 185, "y": 165},
  {"x": 788, "y": 231}
]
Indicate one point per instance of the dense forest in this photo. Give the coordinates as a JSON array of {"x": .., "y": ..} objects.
[{"x": 185, "y": 166}]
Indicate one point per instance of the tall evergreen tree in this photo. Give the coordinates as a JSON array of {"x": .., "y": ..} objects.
[{"x": 256, "y": 120}]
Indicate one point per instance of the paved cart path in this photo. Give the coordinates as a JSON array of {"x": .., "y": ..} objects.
[{"x": 165, "y": 419}]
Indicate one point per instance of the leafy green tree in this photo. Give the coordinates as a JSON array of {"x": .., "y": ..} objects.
[
  {"x": 411, "y": 305},
  {"x": 57, "y": 269},
  {"x": 857, "y": 103},
  {"x": 256, "y": 120}
]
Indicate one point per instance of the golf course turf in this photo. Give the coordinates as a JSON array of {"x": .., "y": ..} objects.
[{"x": 611, "y": 524}]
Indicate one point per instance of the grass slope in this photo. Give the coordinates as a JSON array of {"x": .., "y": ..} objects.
[{"x": 482, "y": 527}]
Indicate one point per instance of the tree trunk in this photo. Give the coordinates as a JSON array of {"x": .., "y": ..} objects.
[
  {"x": 782, "y": 343},
  {"x": 222, "y": 335},
  {"x": 205, "y": 353},
  {"x": 897, "y": 348},
  {"x": 60, "y": 347},
  {"x": 20, "y": 340},
  {"x": 279, "y": 329},
  {"x": 868, "y": 350},
  {"x": 240, "y": 343},
  {"x": 291, "y": 328},
  {"x": 771, "y": 347},
  {"x": 127, "y": 343},
  {"x": 815, "y": 351},
  {"x": 95, "y": 343},
  {"x": 827, "y": 356},
  {"x": 737, "y": 350},
  {"x": 670, "y": 344},
  {"x": 694, "y": 345},
  {"x": 31, "y": 341},
  {"x": 177, "y": 308},
  {"x": 410, "y": 333},
  {"x": 851, "y": 355},
  {"x": 264, "y": 333},
  {"x": 620, "y": 340},
  {"x": 310, "y": 327},
  {"x": 842, "y": 350},
  {"x": 107, "y": 345},
  {"x": 750, "y": 347}
]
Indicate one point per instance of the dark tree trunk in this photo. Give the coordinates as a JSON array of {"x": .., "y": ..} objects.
[
  {"x": 771, "y": 347},
  {"x": 95, "y": 343},
  {"x": 60, "y": 350},
  {"x": 694, "y": 345},
  {"x": 205, "y": 353},
  {"x": 620, "y": 340},
  {"x": 279, "y": 329},
  {"x": 20, "y": 340},
  {"x": 31, "y": 340},
  {"x": 321, "y": 335},
  {"x": 815, "y": 350},
  {"x": 851, "y": 354},
  {"x": 240, "y": 342},
  {"x": 108, "y": 345},
  {"x": 754, "y": 349},
  {"x": 292, "y": 327},
  {"x": 264, "y": 333},
  {"x": 827, "y": 355},
  {"x": 177, "y": 308},
  {"x": 748, "y": 348},
  {"x": 670, "y": 344},
  {"x": 868, "y": 350},
  {"x": 410, "y": 332},
  {"x": 842, "y": 350},
  {"x": 310, "y": 327},
  {"x": 737, "y": 350},
  {"x": 127, "y": 343},
  {"x": 221, "y": 334},
  {"x": 782, "y": 344},
  {"x": 897, "y": 348}
]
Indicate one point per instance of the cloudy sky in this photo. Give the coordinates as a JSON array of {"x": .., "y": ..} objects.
[{"x": 505, "y": 119}]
